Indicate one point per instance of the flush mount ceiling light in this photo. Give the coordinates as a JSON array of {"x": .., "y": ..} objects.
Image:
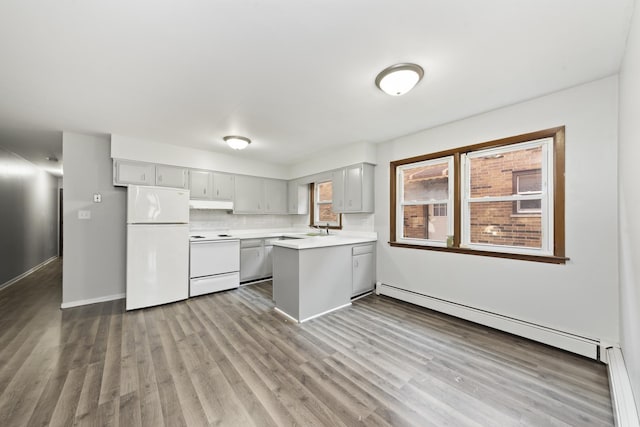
[
  {"x": 237, "y": 142},
  {"x": 399, "y": 79}
]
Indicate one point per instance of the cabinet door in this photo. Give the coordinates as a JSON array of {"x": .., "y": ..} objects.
[
  {"x": 251, "y": 263},
  {"x": 337, "y": 185},
  {"x": 363, "y": 268},
  {"x": 292, "y": 197},
  {"x": 297, "y": 198},
  {"x": 171, "y": 176},
  {"x": 275, "y": 193},
  {"x": 222, "y": 186},
  {"x": 249, "y": 195},
  {"x": 136, "y": 173},
  {"x": 267, "y": 265},
  {"x": 200, "y": 185},
  {"x": 353, "y": 189}
]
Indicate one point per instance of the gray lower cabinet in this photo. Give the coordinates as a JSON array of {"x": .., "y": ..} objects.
[
  {"x": 363, "y": 269},
  {"x": 171, "y": 176},
  {"x": 126, "y": 172},
  {"x": 251, "y": 260},
  {"x": 256, "y": 259}
]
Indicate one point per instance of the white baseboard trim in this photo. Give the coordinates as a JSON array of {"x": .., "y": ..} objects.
[
  {"x": 584, "y": 346},
  {"x": 92, "y": 300},
  {"x": 282, "y": 313},
  {"x": 624, "y": 406},
  {"x": 325, "y": 312},
  {"x": 310, "y": 317},
  {"x": 26, "y": 273}
]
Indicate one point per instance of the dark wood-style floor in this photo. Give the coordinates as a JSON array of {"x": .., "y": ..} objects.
[{"x": 228, "y": 359}]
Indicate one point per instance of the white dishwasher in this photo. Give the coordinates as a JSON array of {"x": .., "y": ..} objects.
[{"x": 214, "y": 266}]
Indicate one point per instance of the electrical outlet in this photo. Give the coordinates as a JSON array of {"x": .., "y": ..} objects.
[
  {"x": 97, "y": 198},
  {"x": 84, "y": 214}
]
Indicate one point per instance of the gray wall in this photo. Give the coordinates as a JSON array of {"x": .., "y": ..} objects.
[
  {"x": 94, "y": 249},
  {"x": 28, "y": 216}
]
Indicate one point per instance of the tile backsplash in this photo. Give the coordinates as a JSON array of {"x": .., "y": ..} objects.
[
  {"x": 220, "y": 220},
  {"x": 215, "y": 219}
]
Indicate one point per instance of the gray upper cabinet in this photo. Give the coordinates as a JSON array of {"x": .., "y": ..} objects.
[
  {"x": 171, "y": 176},
  {"x": 297, "y": 198},
  {"x": 353, "y": 189},
  {"x": 222, "y": 186},
  {"x": 275, "y": 196},
  {"x": 248, "y": 195},
  {"x": 200, "y": 185},
  {"x": 337, "y": 184},
  {"x": 127, "y": 172}
]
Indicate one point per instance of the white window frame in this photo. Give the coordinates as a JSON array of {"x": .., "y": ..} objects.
[
  {"x": 524, "y": 211},
  {"x": 317, "y": 203},
  {"x": 546, "y": 196},
  {"x": 400, "y": 203}
]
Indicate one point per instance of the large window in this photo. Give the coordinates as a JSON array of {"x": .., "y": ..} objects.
[
  {"x": 322, "y": 205},
  {"x": 426, "y": 192},
  {"x": 500, "y": 198}
]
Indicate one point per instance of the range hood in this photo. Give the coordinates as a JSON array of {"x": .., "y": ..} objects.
[{"x": 211, "y": 204}]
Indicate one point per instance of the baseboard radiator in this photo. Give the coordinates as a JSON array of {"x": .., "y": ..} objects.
[
  {"x": 624, "y": 406},
  {"x": 584, "y": 346}
]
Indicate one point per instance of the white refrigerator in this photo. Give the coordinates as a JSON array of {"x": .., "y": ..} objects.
[{"x": 157, "y": 246}]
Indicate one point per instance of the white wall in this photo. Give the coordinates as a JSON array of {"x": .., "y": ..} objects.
[
  {"x": 124, "y": 147},
  {"x": 580, "y": 297},
  {"x": 28, "y": 216},
  {"x": 629, "y": 179},
  {"x": 334, "y": 158},
  {"x": 94, "y": 250}
]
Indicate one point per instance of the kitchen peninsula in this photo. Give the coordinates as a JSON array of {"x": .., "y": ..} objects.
[{"x": 317, "y": 275}]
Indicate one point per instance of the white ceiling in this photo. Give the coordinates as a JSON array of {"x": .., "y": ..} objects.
[{"x": 295, "y": 76}]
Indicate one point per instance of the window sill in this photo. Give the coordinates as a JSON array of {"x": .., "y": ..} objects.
[{"x": 549, "y": 259}]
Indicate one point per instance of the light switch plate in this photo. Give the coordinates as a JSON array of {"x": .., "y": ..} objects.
[
  {"x": 84, "y": 214},
  {"x": 97, "y": 198}
]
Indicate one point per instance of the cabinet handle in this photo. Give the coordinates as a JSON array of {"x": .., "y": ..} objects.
[
  {"x": 355, "y": 263},
  {"x": 217, "y": 192},
  {"x": 204, "y": 191},
  {"x": 159, "y": 178},
  {"x": 143, "y": 177}
]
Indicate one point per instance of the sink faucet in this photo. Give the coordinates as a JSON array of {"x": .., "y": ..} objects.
[{"x": 320, "y": 228}]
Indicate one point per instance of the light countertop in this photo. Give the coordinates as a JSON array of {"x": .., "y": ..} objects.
[
  {"x": 297, "y": 238},
  {"x": 322, "y": 241}
]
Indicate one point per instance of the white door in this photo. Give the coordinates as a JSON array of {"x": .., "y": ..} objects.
[
  {"x": 157, "y": 264},
  {"x": 157, "y": 205}
]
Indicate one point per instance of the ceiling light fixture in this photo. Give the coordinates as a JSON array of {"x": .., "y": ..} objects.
[
  {"x": 237, "y": 142},
  {"x": 399, "y": 79}
]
